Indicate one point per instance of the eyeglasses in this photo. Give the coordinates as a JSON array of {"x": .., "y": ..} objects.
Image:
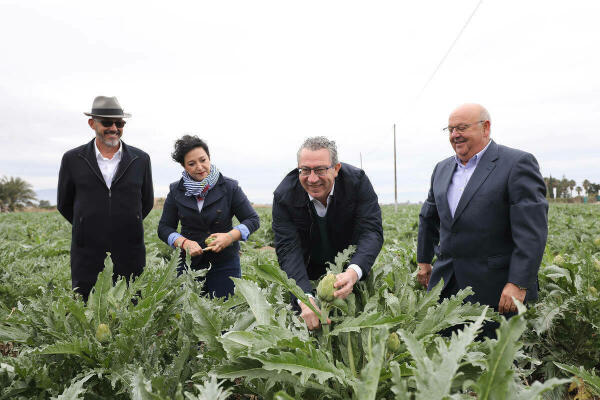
[
  {"x": 460, "y": 128},
  {"x": 107, "y": 123},
  {"x": 319, "y": 171}
]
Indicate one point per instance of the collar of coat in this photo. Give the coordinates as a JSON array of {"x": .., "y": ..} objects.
[{"x": 89, "y": 153}]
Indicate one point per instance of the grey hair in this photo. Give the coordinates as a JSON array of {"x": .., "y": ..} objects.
[
  {"x": 318, "y": 143},
  {"x": 484, "y": 114}
]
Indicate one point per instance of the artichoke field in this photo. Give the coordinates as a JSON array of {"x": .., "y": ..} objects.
[{"x": 161, "y": 338}]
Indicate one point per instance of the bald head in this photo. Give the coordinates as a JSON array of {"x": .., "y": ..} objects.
[
  {"x": 476, "y": 111},
  {"x": 472, "y": 133}
]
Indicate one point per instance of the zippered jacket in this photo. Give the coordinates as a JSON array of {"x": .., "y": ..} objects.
[
  {"x": 103, "y": 219},
  {"x": 353, "y": 218}
]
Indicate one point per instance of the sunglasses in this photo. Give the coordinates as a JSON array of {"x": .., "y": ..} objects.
[{"x": 107, "y": 123}]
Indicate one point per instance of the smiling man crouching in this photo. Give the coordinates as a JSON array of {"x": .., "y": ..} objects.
[{"x": 319, "y": 209}]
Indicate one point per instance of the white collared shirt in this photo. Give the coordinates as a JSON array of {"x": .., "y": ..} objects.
[
  {"x": 108, "y": 166},
  {"x": 322, "y": 212}
]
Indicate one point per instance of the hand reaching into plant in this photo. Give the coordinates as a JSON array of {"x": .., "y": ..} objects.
[
  {"x": 311, "y": 319},
  {"x": 344, "y": 283},
  {"x": 506, "y": 303},
  {"x": 424, "y": 274}
]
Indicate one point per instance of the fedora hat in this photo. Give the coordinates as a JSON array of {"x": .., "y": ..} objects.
[{"x": 107, "y": 107}]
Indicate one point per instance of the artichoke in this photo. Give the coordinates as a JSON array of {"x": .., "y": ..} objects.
[
  {"x": 393, "y": 342},
  {"x": 209, "y": 240},
  {"x": 597, "y": 242},
  {"x": 325, "y": 288},
  {"x": 559, "y": 260},
  {"x": 103, "y": 333}
]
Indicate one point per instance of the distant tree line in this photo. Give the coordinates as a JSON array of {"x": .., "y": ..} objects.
[
  {"x": 565, "y": 187},
  {"x": 15, "y": 194}
]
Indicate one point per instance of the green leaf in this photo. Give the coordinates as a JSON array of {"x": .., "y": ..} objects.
[
  {"x": 272, "y": 273},
  {"x": 537, "y": 388},
  {"x": 367, "y": 320},
  {"x": 368, "y": 383},
  {"x": 260, "y": 338},
  {"x": 141, "y": 388},
  {"x": 210, "y": 390},
  {"x": 74, "y": 391},
  {"x": 281, "y": 395},
  {"x": 591, "y": 380},
  {"x": 262, "y": 310},
  {"x": 434, "y": 375},
  {"x": 98, "y": 302},
  {"x": 309, "y": 363},
  {"x": 495, "y": 382}
]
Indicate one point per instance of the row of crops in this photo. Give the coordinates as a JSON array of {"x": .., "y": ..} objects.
[{"x": 160, "y": 338}]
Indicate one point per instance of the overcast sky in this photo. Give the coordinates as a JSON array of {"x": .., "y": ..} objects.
[{"x": 255, "y": 78}]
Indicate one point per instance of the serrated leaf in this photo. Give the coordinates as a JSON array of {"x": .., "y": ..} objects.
[
  {"x": 309, "y": 364},
  {"x": 73, "y": 391},
  {"x": 210, "y": 390},
  {"x": 141, "y": 389},
  {"x": 262, "y": 337},
  {"x": 272, "y": 273},
  {"x": 98, "y": 302},
  {"x": 537, "y": 388},
  {"x": 434, "y": 375},
  {"x": 368, "y": 383},
  {"x": 262, "y": 310},
  {"x": 495, "y": 382},
  {"x": 590, "y": 378},
  {"x": 367, "y": 320}
]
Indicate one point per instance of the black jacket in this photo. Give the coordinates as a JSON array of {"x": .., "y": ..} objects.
[
  {"x": 221, "y": 204},
  {"x": 498, "y": 232},
  {"x": 103, "y": 219},
  {"x": 354, "y": 217}
]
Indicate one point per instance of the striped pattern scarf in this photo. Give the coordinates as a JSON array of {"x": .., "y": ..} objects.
[{"x": 199, "y": 189}]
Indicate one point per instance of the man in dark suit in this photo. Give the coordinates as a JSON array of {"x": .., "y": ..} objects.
[
  {"x": 319, "y": 209},
  {"x": 485, "y": 217},
  {"x": 105, "y": 191}
]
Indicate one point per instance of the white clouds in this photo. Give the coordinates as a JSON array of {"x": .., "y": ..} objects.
[{"x": 255, "y": 78}]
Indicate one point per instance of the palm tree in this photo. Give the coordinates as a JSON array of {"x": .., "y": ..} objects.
[
  {"x": 15, "y": 193},
  {"x": 578, "y": 189},
  {"x": 572, "y": 184},
  {"x": 586, "y": 186}
]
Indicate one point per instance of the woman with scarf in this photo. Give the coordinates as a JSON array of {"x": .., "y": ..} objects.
[{"x": 205, "y": 201}]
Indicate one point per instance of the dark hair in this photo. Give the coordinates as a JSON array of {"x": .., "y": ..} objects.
[{"x": 186, "y": 144}]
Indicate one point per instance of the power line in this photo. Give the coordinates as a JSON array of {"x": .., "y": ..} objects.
[{"x": 449, "y": 50}]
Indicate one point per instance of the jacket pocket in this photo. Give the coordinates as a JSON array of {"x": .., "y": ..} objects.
[{"x": 499, "y": 262}]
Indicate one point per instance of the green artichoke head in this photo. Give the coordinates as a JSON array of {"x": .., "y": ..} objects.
[
  {"x": 103, "y": 333},
  {"x": 325, "y": 288},
  {"x": 393, "y": 342},
  {"x": 209, "y": 240},
  {"x": 559, "y": 260}
]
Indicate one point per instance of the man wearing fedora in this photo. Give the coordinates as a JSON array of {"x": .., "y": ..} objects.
[{"x": 105, "y": 191}]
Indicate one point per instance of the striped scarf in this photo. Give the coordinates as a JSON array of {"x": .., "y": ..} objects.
[{"x": 201, "y": 188}]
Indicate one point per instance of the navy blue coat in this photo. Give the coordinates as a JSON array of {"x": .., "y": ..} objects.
[
  {"x": 498, "y": 233},
  {"x": 354, "y": 218},
  {"x": 221, "y": 204},
  {"x": 103, "y": 219}
]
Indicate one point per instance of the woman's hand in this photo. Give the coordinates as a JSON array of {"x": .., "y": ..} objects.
[
  {"x": 222, "y": 240},
  {"x": 191, "y": 247}
]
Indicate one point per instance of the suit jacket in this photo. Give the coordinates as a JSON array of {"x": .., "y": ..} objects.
[
  {"x": 353, "y": 216},
  {"x": 103, "y": 219},
  {"x": 224, "y": 201},
  {"x": 498, "y": 233}
]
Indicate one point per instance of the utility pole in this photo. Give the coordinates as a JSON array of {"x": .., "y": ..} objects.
[{"x": 395, "y": 178}]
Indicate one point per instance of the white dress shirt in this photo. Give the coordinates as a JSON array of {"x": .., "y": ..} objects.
[{"x": 108, "y": 166}]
